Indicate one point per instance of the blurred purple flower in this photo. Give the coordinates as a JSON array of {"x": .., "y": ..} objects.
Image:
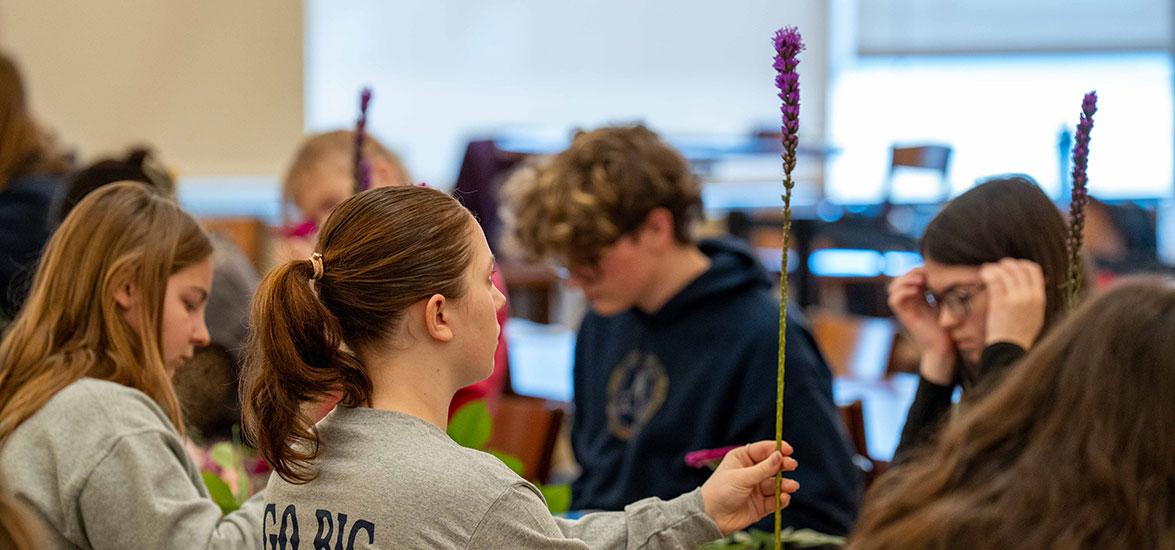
[
  {"x": 1073, "y": 282},
  {"x": 362, "y": 166}
]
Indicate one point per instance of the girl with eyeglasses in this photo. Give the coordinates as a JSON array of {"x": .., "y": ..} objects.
[
  {"x": 1072, "y": 450},
  {"x": 992, "y": 284}
]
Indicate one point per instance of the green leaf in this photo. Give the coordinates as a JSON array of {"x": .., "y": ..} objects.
[
  {"x": 471, "y": 426},
  {"x": 220, "y": 493},
  {"x": 223, "y": 455},
  {"x": 558, "y": 497},
  {"x": 511, "y": 461}
]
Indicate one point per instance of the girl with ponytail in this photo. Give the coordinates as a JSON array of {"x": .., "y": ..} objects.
[
  {"x": 90, "y": 428},
  {"x": 394, "y": 312}
]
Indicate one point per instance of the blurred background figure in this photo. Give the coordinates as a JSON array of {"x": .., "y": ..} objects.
[{"x": 30, "y": 175}]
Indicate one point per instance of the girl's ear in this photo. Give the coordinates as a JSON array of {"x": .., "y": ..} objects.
[
  {"x": 126, "y": 293},
  {"x": 438, "y": 318}
]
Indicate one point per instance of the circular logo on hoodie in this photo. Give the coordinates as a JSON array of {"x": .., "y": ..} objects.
[{"x": 636, "y": 391}]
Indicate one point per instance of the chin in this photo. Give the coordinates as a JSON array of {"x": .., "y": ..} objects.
[{"x": 608, "y": 309}]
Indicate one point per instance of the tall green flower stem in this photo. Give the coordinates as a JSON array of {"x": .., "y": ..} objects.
[{"x": 788, "y": 45}]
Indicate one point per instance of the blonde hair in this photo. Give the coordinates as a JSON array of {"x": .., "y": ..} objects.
[
  {"x": 602, "y": 187},
  {"x": 22, "y": 144},
  {"x": 318, "y": 147},
  {"x": 71, "y": 327},
  {"x": 17, "y": 526}
]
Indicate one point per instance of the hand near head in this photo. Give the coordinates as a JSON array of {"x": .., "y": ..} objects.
[
  {"x": 1015, "y": 310},
  {"x": 742, "y": 489},
  {"x": 907, "y": 299}
]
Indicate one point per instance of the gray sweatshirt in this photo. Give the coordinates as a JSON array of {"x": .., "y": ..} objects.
[
  {"x": 102, "y": 467},
  {"x": 391, "y": 480}
]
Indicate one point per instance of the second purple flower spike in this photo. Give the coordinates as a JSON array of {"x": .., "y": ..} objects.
[{"x": 362, "y": 168}]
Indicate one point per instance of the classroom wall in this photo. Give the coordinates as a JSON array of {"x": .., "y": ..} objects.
[
  {"x": 446, "y": 70},
  {"x": 215, "y": 85}
]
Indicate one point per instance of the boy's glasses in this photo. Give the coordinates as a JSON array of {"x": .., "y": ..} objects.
[
  {"x": 586, "y": 272},
  {"x": 956, "y": 299}
]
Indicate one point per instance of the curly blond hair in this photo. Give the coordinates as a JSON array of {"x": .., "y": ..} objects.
[{"x": 572, "y": 206}]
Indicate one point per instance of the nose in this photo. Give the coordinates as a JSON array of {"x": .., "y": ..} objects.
[
  {"x": 499, "y": 298},
  {"x": 947, "y": 319},
  {"x": 200, "y": 337}
]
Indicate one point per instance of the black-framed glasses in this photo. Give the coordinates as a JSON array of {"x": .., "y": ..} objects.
[{"x": 956, "y": 299}]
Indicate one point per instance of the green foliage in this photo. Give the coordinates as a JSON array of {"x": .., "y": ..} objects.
[
  {"x": 472, "y": 426},
  {"x": 511, "y": 461},
  {"x": 220, "y": 492},
  {"x": 763, "y": 540},
  {"x": 558, "y": 497},
  {"x": 229, "y": 458}
]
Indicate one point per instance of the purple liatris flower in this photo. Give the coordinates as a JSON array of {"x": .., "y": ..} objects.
[
  {"x": 1073, "y": 281},
  {"x": 707, "y": 457},
  {"x": 362, "y": 167},
  {"x": 788, "y": 45}
]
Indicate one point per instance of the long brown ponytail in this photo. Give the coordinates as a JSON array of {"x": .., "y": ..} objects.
[{"x": 382, "y": 251}]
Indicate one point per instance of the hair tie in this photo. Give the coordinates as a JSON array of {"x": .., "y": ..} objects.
[{"x": 316, "y": 261}]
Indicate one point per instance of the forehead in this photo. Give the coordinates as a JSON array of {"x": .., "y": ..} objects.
[
  {"x": 941, "y": 277},
  {"x": 330, "y": 176},
  {"x": 197, "y": 275},
  {"x": 481, "y": 247}
]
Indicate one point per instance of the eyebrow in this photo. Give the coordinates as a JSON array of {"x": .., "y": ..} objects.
[
  {"x": 954, "y": 287},
  {"x": 203, "y": 294}
]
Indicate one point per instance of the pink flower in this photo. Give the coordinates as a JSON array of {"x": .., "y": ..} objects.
[
  {"x": 707, "y": 457},
  {"x": 302, "y": 230},
  {"x": 261, "y": 467}
]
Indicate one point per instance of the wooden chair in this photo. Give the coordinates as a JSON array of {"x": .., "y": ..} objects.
[
  {"x": 928, "y": 157},
  {"x": 527, "y": 428},
  {"x": 853, "y": 417},
  {"x": 533, "y": 288},
  {"x": 855, "y": 346},
  {"x": 248, "y": 233}
]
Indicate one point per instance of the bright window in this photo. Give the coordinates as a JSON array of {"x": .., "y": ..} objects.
[{"x": 1003, "y": 114}]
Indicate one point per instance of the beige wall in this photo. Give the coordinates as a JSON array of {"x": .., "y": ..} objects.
[{"x": 214, "y": 85}]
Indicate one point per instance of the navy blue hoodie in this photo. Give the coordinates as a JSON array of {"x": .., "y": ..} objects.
[{"x": 700, "y": 374}]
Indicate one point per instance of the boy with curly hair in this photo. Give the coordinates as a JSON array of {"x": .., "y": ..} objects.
[{"x": 679, "y": 350}]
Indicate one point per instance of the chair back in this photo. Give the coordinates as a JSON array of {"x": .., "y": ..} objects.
[{"x": 527, "y": 428}]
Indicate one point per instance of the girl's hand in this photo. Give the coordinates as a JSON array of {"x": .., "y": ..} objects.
[
  {"x": 742, "y": 489},
  {"x": 1016, "y": 301},
  {"x": 907, "y": 299}
]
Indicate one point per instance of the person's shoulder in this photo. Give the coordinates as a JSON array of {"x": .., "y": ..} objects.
[
  {"x": 80, "y": 425},
  {"x": 485, "y": 470},
  {"x": 105, "y": 406}
]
